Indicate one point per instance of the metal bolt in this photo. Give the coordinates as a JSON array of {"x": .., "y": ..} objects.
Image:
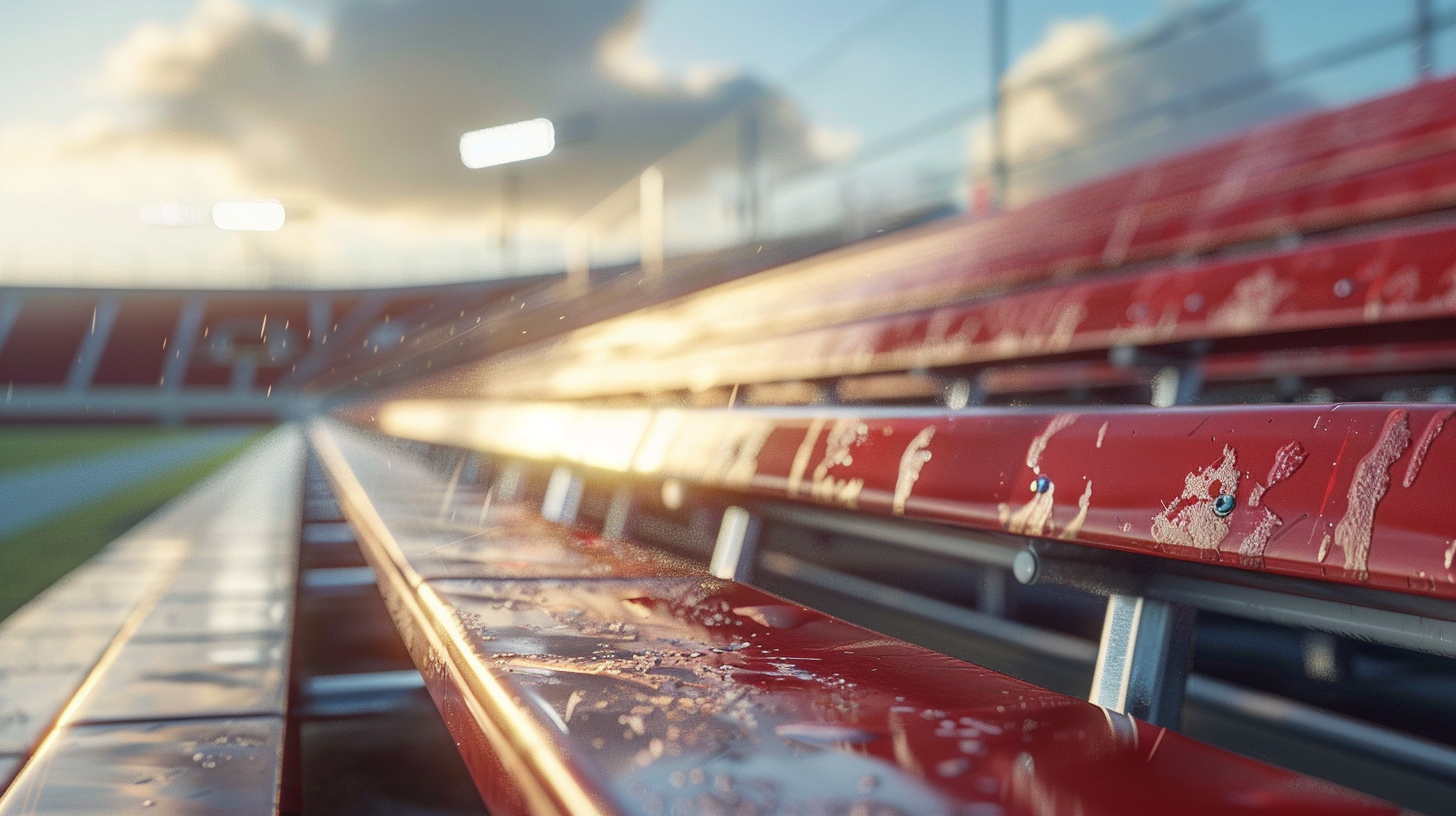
[
  {"x": 1223, "y": 505},
  {"x": 1042, "y": 484},
  {"x": 1026, "y": 566}
]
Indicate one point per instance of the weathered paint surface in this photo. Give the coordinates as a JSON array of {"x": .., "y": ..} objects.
[
  {"x": 580, "y": 677},
  {"x": 1327, "y": 285},
  {"x": 1300, "y": 480}
]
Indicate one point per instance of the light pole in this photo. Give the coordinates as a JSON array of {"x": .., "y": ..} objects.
[
  {"x": 1000, "y": 172},
  {"x": 508, "y": 144},
  {"x": 252, "y": 216}
]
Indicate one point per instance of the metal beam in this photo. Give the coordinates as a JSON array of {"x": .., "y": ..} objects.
[
  {"x": 93, "y": 345},
  {"x": 182, "y": 343}
]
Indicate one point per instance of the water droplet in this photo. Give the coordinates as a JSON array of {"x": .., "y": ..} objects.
[{"x": 1223, "y": 505}]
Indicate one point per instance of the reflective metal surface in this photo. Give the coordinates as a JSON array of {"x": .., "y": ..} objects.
[
  {"x": 1350, "y": 494},
  {"x": 225, "y": 766},
  {"x": 131, "y": 673},
  {"x": 215, "y": 676},
  {"x": 597, "y": 682}
]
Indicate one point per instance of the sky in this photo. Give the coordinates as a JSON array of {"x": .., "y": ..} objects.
[{"x": 348, "y": 112}]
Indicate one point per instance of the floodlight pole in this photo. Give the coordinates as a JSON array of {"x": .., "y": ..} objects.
[
  {"x": 1000, "y": 172},
  {"x": 651, "y": 216},
  {"x": 1425, "y": 30},
  {"x": 508, "y": 145},
  {"x": 510, "y": 217}
]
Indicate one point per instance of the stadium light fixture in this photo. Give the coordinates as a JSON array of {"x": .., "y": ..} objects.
[
  {"x": 505, "y": 144},
  {"x": 248, "y": 216}
]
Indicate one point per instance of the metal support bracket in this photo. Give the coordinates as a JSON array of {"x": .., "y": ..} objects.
[
  {"x": 619, "y": 513},
  {"x": 1143, "y": 660},
  {"x": 733, "y": 554},
  {"x": 563, "y": 496}
]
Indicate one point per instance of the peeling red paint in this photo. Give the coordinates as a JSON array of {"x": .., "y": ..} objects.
[
  {"x": 1418, "y": 458},
  {"x": 1367, "y": 488},
  {"x": 980, "y": 477}
]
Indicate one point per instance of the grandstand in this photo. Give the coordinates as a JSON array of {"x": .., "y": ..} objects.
[{"x": 979, "y": 468}]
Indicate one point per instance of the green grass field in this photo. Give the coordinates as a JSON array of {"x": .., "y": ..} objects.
[
  {"x": 33, "y": 559},
  {"x": 26, "y": 446}
]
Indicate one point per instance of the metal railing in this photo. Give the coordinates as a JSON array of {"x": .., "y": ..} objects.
[{"x": 749, "y": 179}]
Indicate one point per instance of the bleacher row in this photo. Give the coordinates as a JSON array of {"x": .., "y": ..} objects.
[
  {"x": 154, "y": 678},
  {"x": 1278, "y": 231},
  {"x": 580, "y": 674},
  {"x": 1291, "y": 491},
  {"x": 1318, "y": 247}
]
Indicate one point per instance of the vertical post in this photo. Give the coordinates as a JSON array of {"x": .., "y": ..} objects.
[
  {"x": 563, "y": 496},
  {"x": 733, "y": 554},
  {"x": 510, "y": 238},
  {"x": 9, "y": 313},
  {"x": 992, "y": 598},
  {"x": 449, "y": 498},
  {"x": 179, "y": 353},
  {"x": 265, "y": 266},
  {"x": 1000, "y": 172},
  {"x": 93, "y": 345},
  {"x": 320, "y": 312},
  {"x": 1143, "y": 659},
  {"x": 619, "y": 513},
  {"x": 651, "y": 215},
  {"x": 748, "y": 148},
  {"x": 508, "y": 481},
  {"x": 1425, "y": 34},
  {"x": 578, "y": 259}
]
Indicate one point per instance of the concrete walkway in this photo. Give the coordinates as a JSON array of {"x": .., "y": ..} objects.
[{"x": 34, "y": 496}]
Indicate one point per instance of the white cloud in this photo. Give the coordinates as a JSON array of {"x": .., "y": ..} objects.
[
  {"x": 370, "y": 120},
  {"x": 357, "y": 120},
  {"x": 1091, "y": 119}
]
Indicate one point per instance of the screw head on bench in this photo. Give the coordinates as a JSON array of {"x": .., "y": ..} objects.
[
  {"x": 1041, "y": 485},
  {"x": 1026, "y": 566},
  {"x": 1223, "y": 505}
]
